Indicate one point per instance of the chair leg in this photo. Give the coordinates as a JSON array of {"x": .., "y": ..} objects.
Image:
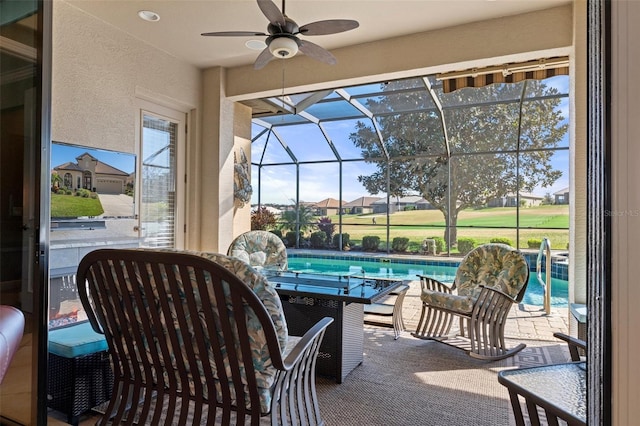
[
  {"x": 433, "y": 323},
  {"x": 486, "y": 328}
]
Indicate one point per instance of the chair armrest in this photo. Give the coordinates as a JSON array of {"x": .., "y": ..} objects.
[
  {"x": 574, "y": 344},
  {"x": 428, "y": 283},
  {"x": 500, "y": 292},
  {"x": 301, "y": 349}
]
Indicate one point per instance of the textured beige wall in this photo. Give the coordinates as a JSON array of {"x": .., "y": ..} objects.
[
  {"x": 625, "y": 233},
  {"x": 242, "y": 139},
  {"x": 521, "y": 37},
  {"x": 97, "y": 72}
]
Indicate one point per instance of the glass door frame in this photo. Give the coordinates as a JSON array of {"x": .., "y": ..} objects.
[{"x": 180, "y": 119}]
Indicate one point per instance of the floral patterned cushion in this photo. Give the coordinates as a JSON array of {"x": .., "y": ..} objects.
[
  {"x": 260, "y": 249},
  {"x": 451, "y": 302},
  {"x": 498, "y": 266},
  {"x": 265, "y": 372}
]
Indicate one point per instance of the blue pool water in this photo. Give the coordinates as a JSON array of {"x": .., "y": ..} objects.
[{"x": 387, "y": 269}]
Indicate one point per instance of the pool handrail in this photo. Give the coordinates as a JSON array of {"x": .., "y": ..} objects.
[{"x": 545, "y": 247}]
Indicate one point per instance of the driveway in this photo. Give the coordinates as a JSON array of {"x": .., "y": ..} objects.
[{"x": 117, "y": 205}]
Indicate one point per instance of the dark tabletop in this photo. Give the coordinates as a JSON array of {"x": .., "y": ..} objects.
[{"x": 335, "y": 287}]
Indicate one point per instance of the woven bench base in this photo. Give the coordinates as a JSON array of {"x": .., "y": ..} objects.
[{"x": 75, "y": 385}]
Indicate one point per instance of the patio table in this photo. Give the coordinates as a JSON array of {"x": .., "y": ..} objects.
[
  {"x": 306, "y": 298},
  {"x": 559, "y": 389}
]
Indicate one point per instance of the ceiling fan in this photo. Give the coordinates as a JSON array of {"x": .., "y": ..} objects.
[{"x": 282, "y": 38}]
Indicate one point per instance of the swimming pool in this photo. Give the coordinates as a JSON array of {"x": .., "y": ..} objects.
[{"x": 442, "y": 271}]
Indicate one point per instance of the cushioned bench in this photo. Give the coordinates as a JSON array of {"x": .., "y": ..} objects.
[{"x": 79, "y": 373}]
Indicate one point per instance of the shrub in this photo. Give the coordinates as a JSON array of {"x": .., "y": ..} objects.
[
  {"x": 84, "y": 193},
  {"x": 290, "y": 239},
  {"x": 318, "y": 239},
  {"x": 465, "y": 245},
  {"x": 400, "y": 244},
  {"x": 68, "y": 192},
  {"x": 345, "y": 240},
  {"x": 262, "y": 219},
  {"x": 441, "y": 244},
  {"x": 534, "y": 243},
  {"x": 501, "y": 240},
  {"x": 370, "y": 243},
  {"x": 277, "y": 232},
  {"x": 325, "y": 225}
]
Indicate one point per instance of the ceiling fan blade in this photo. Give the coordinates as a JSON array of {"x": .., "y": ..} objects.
[
  {"x": 330, "y": 26},
  {"x": 271, "y": 11},
  {"x": 316, "y": 52},
  {"x": 263, "y": 59},
  {"x": 235, "y": 34}
]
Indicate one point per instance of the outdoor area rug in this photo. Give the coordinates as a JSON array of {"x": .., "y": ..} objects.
[{"x": 410, "y": 381}]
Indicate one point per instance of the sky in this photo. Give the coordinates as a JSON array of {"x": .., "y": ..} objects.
[
  {"x": 63, "y": 153},
  {"x": 320, "y": 181}
]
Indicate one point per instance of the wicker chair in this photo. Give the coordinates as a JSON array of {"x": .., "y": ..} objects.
[
  {"x": 260, "y": 249},
  {"x": 489, "y": 280},
  {"x": 197, "y": 338}
]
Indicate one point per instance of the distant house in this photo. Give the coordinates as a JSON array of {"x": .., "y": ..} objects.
[
  {"x": 410, "y": 202},
  {"x": 274, "y": 211},
  {"x": 328, "y": 206},
  {"x": 92, "y": 174},
  {"x": 361, "y": 205},
  {"x": 511, "y": 200},
  {"x": 561, "y": 197}
]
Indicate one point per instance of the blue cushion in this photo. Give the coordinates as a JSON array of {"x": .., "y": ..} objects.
[{"x": 76, "y": 340}]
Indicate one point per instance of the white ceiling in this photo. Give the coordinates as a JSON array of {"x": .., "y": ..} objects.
[{"x": 182, "y": 21}]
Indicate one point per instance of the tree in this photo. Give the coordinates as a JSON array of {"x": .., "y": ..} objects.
[
  {"x": 298, "y": 220},
  {"x": 262, "y": 219},
  {"x": 484, "y": 123},
  {"x": 547, "y": 200},
  {"x": 56, "y": 180}
]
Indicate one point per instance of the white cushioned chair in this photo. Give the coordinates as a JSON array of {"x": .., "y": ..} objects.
[{"x": 260, "y": 249}]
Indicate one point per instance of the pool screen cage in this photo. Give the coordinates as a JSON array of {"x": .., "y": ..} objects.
[{"x": 466, "y": 155}]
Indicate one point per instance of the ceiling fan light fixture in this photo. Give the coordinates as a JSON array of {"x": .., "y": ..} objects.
[{"x": 283, "y": 47}]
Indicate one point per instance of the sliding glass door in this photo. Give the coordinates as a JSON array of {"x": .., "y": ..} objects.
[{"x": 24, "y": 194}]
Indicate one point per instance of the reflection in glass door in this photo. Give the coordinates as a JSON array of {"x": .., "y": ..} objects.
[
  {"x": 159, "y": 209},
  {"x": 24, "y": 76}
]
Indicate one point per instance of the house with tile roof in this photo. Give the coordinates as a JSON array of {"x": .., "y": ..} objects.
[
  {"x": 328, "y": 206},
  {"x": 90, "y": 173},
  {"x": 360, "y": 205}
]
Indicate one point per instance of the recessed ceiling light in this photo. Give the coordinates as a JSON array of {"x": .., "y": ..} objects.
[
  {"x": 256, "y": 44},
  {"x": 149, "y": 15}
]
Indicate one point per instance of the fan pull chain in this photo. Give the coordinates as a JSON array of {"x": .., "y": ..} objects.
[{"x": 282, "y": 94}]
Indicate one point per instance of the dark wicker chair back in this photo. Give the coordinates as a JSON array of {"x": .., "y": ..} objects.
[{"x": 192, "y": 342}]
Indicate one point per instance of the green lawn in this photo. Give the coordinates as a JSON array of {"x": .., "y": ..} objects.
[
  {"x": 479, "y": 224},
  {"x": 71, "y": 206}
]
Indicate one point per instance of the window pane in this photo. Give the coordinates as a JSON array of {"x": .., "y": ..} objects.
[
  {"x": 341, "y": 133},
  {"x": 307, "y": 142},
  {"x": 158, "y": 207}
]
